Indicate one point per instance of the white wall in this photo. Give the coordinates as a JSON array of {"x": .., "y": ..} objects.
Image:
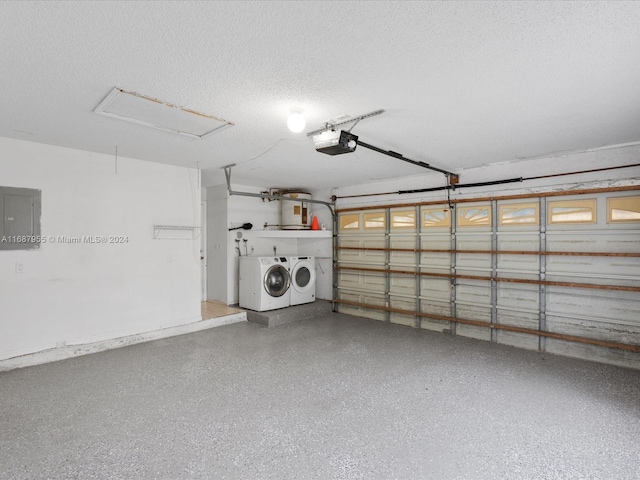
[
  {"x": 217, "y": 253},
  {"x": 81, "y": 293}
]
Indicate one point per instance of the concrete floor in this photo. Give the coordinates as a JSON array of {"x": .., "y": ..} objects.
[{"x": 324, "y": 398}]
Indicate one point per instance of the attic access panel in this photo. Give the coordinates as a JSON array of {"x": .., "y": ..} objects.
[{"x": 136, "y": 108}]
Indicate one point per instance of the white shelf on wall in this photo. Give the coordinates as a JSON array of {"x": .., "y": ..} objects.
[
  {"x": 295, "y": 234},
  {"x": 175, "y": 232}
]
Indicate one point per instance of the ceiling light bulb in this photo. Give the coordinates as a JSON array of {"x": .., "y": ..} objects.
[{"x": 296, "y": 122}]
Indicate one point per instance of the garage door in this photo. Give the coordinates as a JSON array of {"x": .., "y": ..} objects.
[{"x": 554, "y": 272}]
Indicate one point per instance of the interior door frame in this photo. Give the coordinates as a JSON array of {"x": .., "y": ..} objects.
[{"x": 203, "y": 251}]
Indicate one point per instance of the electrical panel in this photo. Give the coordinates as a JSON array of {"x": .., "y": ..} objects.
[{"x": 20, "y": 225}]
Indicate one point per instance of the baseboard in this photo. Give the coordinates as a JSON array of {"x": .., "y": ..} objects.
[{"x": 70, "y": 351}]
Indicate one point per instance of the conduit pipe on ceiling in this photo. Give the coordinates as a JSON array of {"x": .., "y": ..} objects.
[
  {"x": 227, "y": 173},
  {"x": 484, "y": 184}
]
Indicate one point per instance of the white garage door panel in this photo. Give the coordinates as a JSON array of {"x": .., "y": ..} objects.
[
  {"x": 402, "y": 260},
  {"x": 604, "y": 240},
  {"x": 474, "y": 241},
  {"x": 519, "y": 274},
  {"x": 474, "y": 312},
  {"x": 474, "y": 293},
  {"x": 522, "y": 297},
  {"x": 615, "y": 306},
  {"x": 519, "y": 243},
  {"x": 529, "y": 242},
  {"x": 473, "y": 262},
  {"x": 362, "y": 298},
  {"x": 401, "y": 303},
  {"x": 400, "y": 319},
  {"x": 435, "y": 262},
  {"x": 515, "y": 263},
  {"x": 349, "y": 256},
  {"x": 518, "y": 319},
  {"x": 373, "y": 256},
  {"x": 435, "y": 307},
  {"x": 348, "y": 279},
  {"x": 589, "y": 352},
  {"x": 349, "y": 241},
  {"x": 582, "y": 241},
  {"x": 403, "y": 284},
  {"x": 361, "y": 281},
  {"x": 361, "y": 257},
  {"x": 435, "y": 325},
  {"x": 402, "y": 242},
  {"x": 471, "y": 331},
  {"x": 615, "y": 332},
  {"x": 624, "y": 241},
  {"x": 435, "y": 241},
  {"x": 594, "y": 266},
  {"x": 520, "y": 340},
  {"x": 374, "y": 282},
  {"x": 374, "y": 300},
  {"x": 349, "y": 297},
  {"x": 435, "y": 288}
]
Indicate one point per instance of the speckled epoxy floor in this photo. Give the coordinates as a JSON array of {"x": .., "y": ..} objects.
[{"x": 331, "y": 397}]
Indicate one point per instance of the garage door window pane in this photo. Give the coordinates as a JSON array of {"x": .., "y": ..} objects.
[
  {"x": 374, "y": 220},
  {"x": 573, "y": 211},
  {"x": 479, "y": 216},
  {"x": 624, "y": 209},
  {"x": 350, "y": 222},
  {"x": 436, "y": 217},
  {"x": 404, "y": 219},
  {"x": 519, "y": 214}
]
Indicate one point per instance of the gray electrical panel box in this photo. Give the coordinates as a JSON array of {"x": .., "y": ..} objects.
[{"x": 20, "y": 225}]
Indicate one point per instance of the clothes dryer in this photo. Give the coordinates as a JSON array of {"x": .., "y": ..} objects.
[
  {"x": 303, "y": 280},
  {"x": 264, "y": 283}
]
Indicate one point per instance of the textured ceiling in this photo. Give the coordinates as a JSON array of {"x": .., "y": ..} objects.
[{"x": 463, "y": 84}]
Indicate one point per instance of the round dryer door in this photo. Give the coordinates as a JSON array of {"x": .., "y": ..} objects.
[
  {"x": 276, "y": 281},
  {"x": 303, "y": 277}
]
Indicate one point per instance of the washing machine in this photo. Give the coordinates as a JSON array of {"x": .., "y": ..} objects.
[
  {"x": 264, "y": 283},
  {"x": 303, "y": 280}
]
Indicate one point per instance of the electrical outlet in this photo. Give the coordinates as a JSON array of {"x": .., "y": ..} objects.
[{"x": 19, "y": 267}]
